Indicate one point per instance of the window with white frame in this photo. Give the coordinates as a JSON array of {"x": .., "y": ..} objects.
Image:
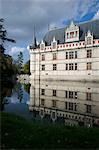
[
  {"x": 66, "y": 66},
  {"x": 66, "y": 55},
  {"x": 43, "y": 67},
  {"x": 54, "y": 44},
  {"x": 75, "y": 54},
  {"x": 89, "y": 66},
  {"x": 42, "y": 45},
  {"x": 54, "y": 92},
  {"x": 43, "y": 57},
  {"x": 70, "y": 94},
  {"x": 70, "y": 106},
  {"x": 75, "y": 66},
  {"x": 71, "y": 55},
  {"x": 71, "y": 66},
  {"x": 88, "y": 40},
  {"x": 88, "y": 108},
  {"x": 54, "y": 66},
  {"x": 88, "y": 96},
  {"x": 89, "y": 53},
  {"x": 42, "y": 102},
  {"x": 53, "y": 103},
  {"x": 42, "y": 91}
]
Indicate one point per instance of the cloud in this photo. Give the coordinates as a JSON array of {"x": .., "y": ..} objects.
[
  {"x": 21, "y": 16},
  {"x": 96, "y": 16},
  {"x": 15, "y": 50}
]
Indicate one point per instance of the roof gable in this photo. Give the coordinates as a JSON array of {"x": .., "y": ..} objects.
[{"x": 59, "y": 34}]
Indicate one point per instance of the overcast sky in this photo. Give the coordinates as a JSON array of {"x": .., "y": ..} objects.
[{"x": 21, "y": 16}]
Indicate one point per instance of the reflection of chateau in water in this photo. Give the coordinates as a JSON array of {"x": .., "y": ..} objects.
[{"x": 72, "y": 102}]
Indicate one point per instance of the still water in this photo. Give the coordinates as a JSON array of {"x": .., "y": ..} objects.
[
  {"x": 16, "y": 102},
  {"x": 72, "y": 103}
]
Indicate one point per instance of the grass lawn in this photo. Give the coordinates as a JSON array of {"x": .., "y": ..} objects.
[{"x": 18, "y": 133}]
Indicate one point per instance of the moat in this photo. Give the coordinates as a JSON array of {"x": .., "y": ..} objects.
[{"x": 72, "y": 103}]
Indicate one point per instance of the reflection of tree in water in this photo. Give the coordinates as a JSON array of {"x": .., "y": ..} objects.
[
  {"x": 6, "y": 90},
  {"x": 27, "y": 87},
  {"x": 19, "y": 91}
]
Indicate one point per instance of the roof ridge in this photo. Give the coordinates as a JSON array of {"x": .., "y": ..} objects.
[
  {"x": 80, "y": 23},
  {"x": 92, "y": 20}
]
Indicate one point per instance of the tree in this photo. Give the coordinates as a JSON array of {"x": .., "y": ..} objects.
[
  {"x": 3, "y": 36},
  {"x": 26, "y": 67},
  {"x": 20, "y": 62},
  {"x": 7, "y": 69}
]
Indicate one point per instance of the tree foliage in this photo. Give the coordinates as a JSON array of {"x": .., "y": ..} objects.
[
  {"x": 8, "y": 70},
  {"x": 19, "y": 62},
  {"x": 3, "y": 36},
  {"x": 26, "y": 67}
]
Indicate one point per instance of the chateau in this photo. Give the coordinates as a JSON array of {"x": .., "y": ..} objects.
[
  {"x": 69, "y": 53},
  {"x": 64, "y": 56}
]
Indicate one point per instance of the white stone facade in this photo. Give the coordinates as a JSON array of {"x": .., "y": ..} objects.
[
  {"x": 75, "y": 59},
  {"x": 68, "y": 61},
  {"x": 81, "y": 60}
]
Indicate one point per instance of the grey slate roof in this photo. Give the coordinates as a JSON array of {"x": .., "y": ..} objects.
[{"x": 59, "y": 34}]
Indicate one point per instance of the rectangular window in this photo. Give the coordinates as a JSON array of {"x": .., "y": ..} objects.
[
  {"x": 75, "y": 107},
  {"x": 66, "y": 55},
  {"x": 54, "y": 67},
  {"x": 88, "y": 96},
  {"x": 75, "y": 95},
  {"x": 66, "y": 66},
  {"x": 66, "y": 107},
  {"x": 42, "y": 102},
  {"x": 88, "y": 40},
  {"x": 66, "y": 94},
  {"x": 54, "y": 56},
  {"x": 71, "y": 66},
  {"x": 43, "y": 57},
  {"x": 42, "y": 46},
  {"x": 75, "y": 54},
  {"x": 89, "y": 66},
  {"x": 71, "y": 55},
  {"x": 70, "y": 106},
  {"x": 89, "y": 53},
  {"x": 53, "y": 103},
  {"x": 54, "y": 92},
  {"x": 88, "y": 108},
  {"x": 70, "y": 94},
  {"x": 42, "y": 91},
  {"x": 75, "y": 66},
  {"x": 54, "y": 45},
  {"x": 43, "y": 67}
]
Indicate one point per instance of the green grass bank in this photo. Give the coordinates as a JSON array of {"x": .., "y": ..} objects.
[{"x": 18, "y": 133}]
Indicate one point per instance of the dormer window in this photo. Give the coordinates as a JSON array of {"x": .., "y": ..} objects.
[
  {"x": 89, "y": 38},
  {"x": 42, "y": 45},
  {"x": 54, "y": 43},
  {"x": 72, "y": 33}
]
